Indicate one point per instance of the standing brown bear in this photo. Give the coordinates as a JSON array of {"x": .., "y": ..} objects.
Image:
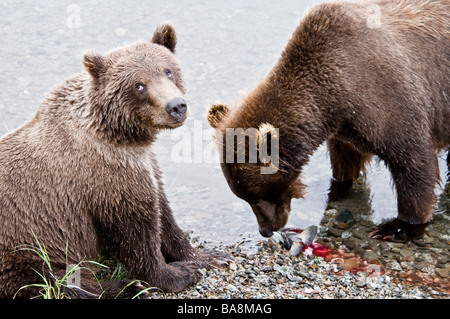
[
  {"x": 369, "y": 78},
  {"x": 82, "y": 175}
]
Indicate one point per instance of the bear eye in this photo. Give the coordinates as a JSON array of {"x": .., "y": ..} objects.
[
  {"x": 140, "y": 88},
  {"x": 168, "y": 73}
]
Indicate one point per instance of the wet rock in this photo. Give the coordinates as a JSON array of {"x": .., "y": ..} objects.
[
  {"x": 406, "y": 265},
  {"x": 406, "y": 252},
  {"x": 367, "y": 223},
  {"x": 420, "y": 242},
  {"x": 334, "y": 232},
  {"x": 346, "y": 234},
  {"x": 384, "y": 246},
  {"x": 442, "y": 262},
  {"x": 419, "y": 265},
  {"x": 344, "y": 220},
  {"x": 370, "y": 256},
  {"x": 442, "y": 272},
  {"x": 344, "y": 216},
  {"x": 283, "y": 270},
  {"x": 350, "y": 243},
  {"x": 360, "y": 234},
  {"x": 359, "y": 250},
  {"x": 427, "y": 239},
  {"x": 331, "y": 212},
  {"x": 393, "y": 265}
]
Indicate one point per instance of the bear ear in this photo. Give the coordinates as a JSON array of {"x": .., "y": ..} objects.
[
  {"x": 266, "y": 135},
  {"x": 165, "y": 35},
  {"x": 216, "y": 114},
  {"x": 94, "y": 63},
  {"x": 268, "y": 139}
]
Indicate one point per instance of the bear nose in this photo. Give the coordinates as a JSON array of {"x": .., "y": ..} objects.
[
  {"x": 177, "y": 108},
  {"x": 266, "y": 232}
]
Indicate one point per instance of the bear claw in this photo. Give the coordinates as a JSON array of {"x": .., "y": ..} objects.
[
  {"x": 141, "y": 290},
  {"x": 214, "y": 259},
  {"x": 399, "y": 231}
]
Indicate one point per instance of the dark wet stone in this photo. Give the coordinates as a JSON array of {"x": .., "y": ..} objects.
[
  {"x": 442, "y": 272},
  {"x": 360, "y": 234},
  {"x": 367, "y": 223},
  {"x": 344, "y": 217},
  {"x": 420, "y": 242},
  {"x": 350, "y": 243},
  {"x": 384, "y": 246},
  {"x": 334, "y": 232},
  {"x": 359, "y": 250},
  {"x": 370, "y": 256}
]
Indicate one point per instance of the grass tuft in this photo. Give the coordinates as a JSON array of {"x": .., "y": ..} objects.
[{"x": 56, "y": 287}]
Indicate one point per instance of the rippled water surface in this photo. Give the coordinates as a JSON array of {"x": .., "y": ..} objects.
[{"x": 224, "y": 47}]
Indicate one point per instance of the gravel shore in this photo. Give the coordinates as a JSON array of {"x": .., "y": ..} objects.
[{"x": 356, "y": 266}]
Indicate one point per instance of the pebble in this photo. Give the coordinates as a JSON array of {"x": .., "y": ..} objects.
[
  {"x": 346, "y": 234},
  {"x": 358, "y": 233},
  {"x": 442, "y": 261},
  {"x": 441, "y": 272},
  {"x": 406, "y": 252},
  {"x": 393, "y": 265},
  {"x": 351, "y": 243},
  {"x": 344, "y": 216},
  {"x": 334, "y": 232},
  {"x": 370, "y": 256}
]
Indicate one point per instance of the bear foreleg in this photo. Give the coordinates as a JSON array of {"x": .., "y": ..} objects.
[{"x": 415, "y": 175}]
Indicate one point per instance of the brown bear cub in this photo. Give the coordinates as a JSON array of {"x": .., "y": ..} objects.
[
  {"x": 369, "y": 78},
  {"x": 81, "y": 176}
]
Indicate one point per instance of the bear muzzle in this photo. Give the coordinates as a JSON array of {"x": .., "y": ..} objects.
[
  {"x": 177, "y": 109},
  {"x": 271, "y": 217}
]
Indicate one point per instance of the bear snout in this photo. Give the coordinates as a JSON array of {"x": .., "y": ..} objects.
[
  {"x": 265, "y": 232},
  {"x": 270, "y": 216},
  {"x": 177, "y": 109}
]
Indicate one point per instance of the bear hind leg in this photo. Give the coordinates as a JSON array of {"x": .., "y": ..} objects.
[
  {"x": 25, "y": 279},
  {"x": 120, "y": 289}
]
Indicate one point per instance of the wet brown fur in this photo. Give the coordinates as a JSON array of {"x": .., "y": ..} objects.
[
  {"x": 366, "y": 91},
  {"x": 82, "y": 175}
]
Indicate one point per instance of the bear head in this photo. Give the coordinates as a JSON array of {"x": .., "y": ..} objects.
[
  {"x": 137, "y": 90},
  {"x": 263, "y": 181}
]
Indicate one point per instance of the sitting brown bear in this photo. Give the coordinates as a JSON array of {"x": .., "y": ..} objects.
[
  {"x": 367, "y": 89},
  {"x": 82, "y": 175}
]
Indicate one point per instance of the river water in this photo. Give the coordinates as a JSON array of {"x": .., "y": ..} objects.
[{"x": 225, "y": 48}]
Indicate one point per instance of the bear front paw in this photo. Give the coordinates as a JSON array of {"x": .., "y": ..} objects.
[{"x": 399, "y": 231}]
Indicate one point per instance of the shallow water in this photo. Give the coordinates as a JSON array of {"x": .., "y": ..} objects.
[{"x": 224, "y": 47}]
